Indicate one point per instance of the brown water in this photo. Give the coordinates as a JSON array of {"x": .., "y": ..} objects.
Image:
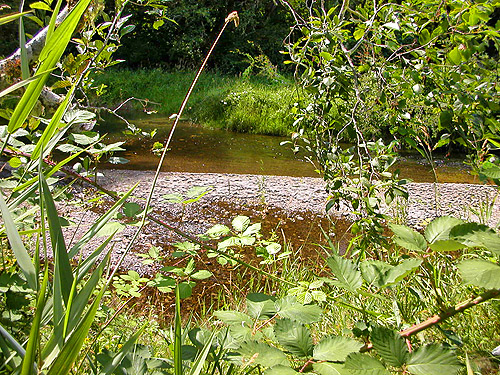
[{"x": 201, "y": 150}]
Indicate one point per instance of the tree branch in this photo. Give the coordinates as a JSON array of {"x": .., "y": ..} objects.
[
  {"x": 35, "y": 45},
  {"x": 442, "y": 316}
]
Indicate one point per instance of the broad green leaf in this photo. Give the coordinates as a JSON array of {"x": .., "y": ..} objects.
[
  {"x": 335, "y": 348},
  {"x": 173, "y": 198},
  {"x": 424, "y": 37},
  {"x": 439, "y": 228},
  {"x": 260, "y": 306},
  {"x": 399, "y": 272},
  {"x": 345, "y": 271},
  {"x": 408, "y": 238},
  {"x": 480, "y": 273},
  {"x": 262, "y": 354},
  {"x": 218, "y": 231},
  {"x": 363, "y": 364},
  {"x": 433, "y": 360},
  {"x": 476, "y": 235},
  {"x": 185, "y": 289},
  {"x": 445, "y": 119},
  {"x": 454, "y": 56},
  {"x": 22, "y": 256},
  {"x": 233, "y": 317},
  {"x": 294, "y": 337},
  {"x": 447, "y": 245},
  {"x": 390, "y": 345},
  {"x": 288, "y": 307},
  {"x": 201, "y": 275},
  {"x": 40, "y": 5},
  {"x": 280, "y": 370},
  {"x": 240, "y": 223},
  {"x": 326, "y": 368},
  {"x": 373, "y": 271},
  {"x": 110, "y": 228},
  {"x": 49, "y": 56},
  {"x": 198, "y": 191},
  {"x": 490, "y": 170}
]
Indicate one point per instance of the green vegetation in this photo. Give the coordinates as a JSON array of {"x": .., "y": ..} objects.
[
  {"x": 251, "y": 105},
  {"x": 389, "y": 304}
]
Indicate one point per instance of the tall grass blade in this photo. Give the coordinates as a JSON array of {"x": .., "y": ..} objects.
[
  {"x": 177, "y": 334},
  {"x": 29, "y": 360},
  {"x": 49, "y": 173},
  {"x": 18, "y": 85},
  {"x": 100, "y": 223},
  {"x": 197, "y": 365},
  {"x": 12, "y": 342},
  {"x": 53, "y": 19},
  {"x": 25, "y": 69},
  {"x": 53, "y": 126},
  {"x": 69, "y": 352},
  {"x": 12, "y": 17},
  {"x": 125, "y": 349},
  {"x": 22, "y": 256},
  {"x": 77, "y": 307},
  {"x": 63, "y": 275},
  {"x": 49, "y": 56}
]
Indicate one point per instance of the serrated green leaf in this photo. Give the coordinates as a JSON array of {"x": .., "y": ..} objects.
[
  {"x": 399, "y": 272},
  {"x": 326, "y": 368},
  {"x": 260, "y": 306},
  {"x": 408, "y": 238},
  {"x": 433, "y": 360},
  {"x": 345, "y": 271},
  {"x": 294, "y": 337},
  {"x": 439, "y": 228},
  {"x": 480, "y": 273},
  {"x": 447, "y": 245},
  {"x": 390, "y": 345},
  {"x": 289, "y": 307},
  {"x": 363, "y": 364},
  {"x": 335, "y": 348},
  {"x": 373, "y": 271},
  {"x": 490, "y": 170},
  {"x": 233, "y": 317},
  {"x": 280, "y": 370},
  {"x": 217, "y": 231},
  {"x": 262, "y": 354}
]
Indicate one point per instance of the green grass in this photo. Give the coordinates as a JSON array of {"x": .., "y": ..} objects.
[{"x": 253, "y": 105}]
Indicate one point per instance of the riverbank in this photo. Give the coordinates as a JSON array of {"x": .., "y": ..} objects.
[
  {"x": 256, "y": 105},
  {"x": 292, "y": 207}
]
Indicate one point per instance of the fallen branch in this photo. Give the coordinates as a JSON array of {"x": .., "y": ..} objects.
[{"x": 442, "y": 316}]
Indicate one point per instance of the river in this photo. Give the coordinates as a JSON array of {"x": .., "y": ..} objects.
[{"x": 198, "y": 149}]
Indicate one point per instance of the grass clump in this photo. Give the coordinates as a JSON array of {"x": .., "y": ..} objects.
[{"x": 255, "y": 104}]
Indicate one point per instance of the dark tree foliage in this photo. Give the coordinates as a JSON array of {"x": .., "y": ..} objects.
[{"x": 184, "y": 42}]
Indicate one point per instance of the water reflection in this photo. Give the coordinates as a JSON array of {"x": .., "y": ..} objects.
[{"x": 198, "y": 149}]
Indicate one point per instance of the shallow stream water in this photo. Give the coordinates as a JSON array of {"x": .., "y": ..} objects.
[{"x": 199, "y": 149}]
